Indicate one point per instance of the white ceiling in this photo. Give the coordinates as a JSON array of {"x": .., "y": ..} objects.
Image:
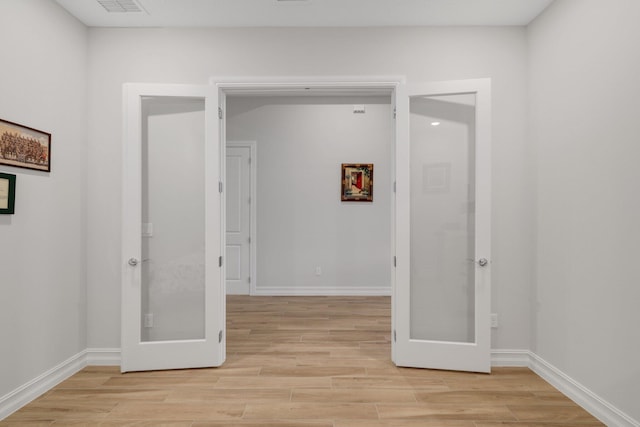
[{"x": 308, "y": 13}]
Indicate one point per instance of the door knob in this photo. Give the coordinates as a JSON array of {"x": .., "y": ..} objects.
[
  {"x": 482, "y": 262},
  {"x": 133, "y": 262}
]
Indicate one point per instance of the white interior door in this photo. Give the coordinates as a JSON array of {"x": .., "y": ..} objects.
[
  {"x": 239, "y": 202},
  {"x": 172, "y": 287},
  {"x": 442, "y": 303}
]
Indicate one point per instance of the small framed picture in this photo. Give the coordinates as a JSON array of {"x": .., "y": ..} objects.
[
  {"x": 7, "y": 193},
  {"x": 357, "y": 182},
  {"x": 24, "y": 147}
]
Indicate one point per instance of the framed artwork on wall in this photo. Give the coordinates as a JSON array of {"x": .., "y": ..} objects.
[
  {"x": 7, "y": 193},
  {"x": 24, "y": 147},
  {"x": 357, "y": 182}
]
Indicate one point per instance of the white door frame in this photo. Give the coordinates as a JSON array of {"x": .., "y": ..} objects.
[
  {"x": 337, "y": 85},
  {"x": 253, "y": 168}
]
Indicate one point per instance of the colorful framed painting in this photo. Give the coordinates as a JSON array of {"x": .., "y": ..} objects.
[
  {"x": 24, "y": 147},
  {"x": 7, "y": 193},
  {"x": 357, "y": 182}
]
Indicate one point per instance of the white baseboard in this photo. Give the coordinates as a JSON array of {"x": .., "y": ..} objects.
[
  {"x": 24, "y": 394},
  {"x": 237, "y": 289},
  {"x": 501, "y": 357},
  {"x": 596, "y": 406},
  {"x": 323, "y": 291},
  {"x": 103, "y": 357},
  {"x": 592, "y": 403}
]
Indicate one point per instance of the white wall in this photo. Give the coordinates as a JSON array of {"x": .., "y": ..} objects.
[
  {"x": 422, "y": 54},
  {"x": 584, "y": 91},
  {"x": 42, "y": 247},
  {"x": 301, "y": 222}
]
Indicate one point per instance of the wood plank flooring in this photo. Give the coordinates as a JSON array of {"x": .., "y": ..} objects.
[{"x": 304, "y": 362}]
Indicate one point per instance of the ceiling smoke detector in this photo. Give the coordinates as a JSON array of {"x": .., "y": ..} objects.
[{"x": 120, "y": 6}]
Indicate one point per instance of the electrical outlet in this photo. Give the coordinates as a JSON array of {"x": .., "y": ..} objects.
[
  {"x": 318, "y": 271},
  {"x": 148, "y": 320},
  {"x": 494, "y": 320}
]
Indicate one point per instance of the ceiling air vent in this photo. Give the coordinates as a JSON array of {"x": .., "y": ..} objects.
[{"x": 120, "y": 6}]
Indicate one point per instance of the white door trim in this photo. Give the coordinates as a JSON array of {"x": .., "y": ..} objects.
[
  {"x": 334, "y": 85},
  {"x": 309, "y": 85},
  {"x": 253, "y": 169}
]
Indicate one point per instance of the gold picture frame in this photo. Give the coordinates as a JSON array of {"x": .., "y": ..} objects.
[{"x": 357, "y": 182}]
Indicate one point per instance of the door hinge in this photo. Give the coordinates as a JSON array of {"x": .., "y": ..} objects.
[
  {"x": 220, "y": 186},
  {"x": 395, "y": 261},
  {"x": 249, "y": 160},
  {"x": 394, "y": 112},
  {"x": 249, "y": 279},
  {"x": 394, "y": 186},
  {"x": 249, "y": 200},
  {"x": 220, "y": 115},
  {"x": 220, "y": 336},
  {"x": 220, "y": 261},
  {"x": 394, "y": 335},
  {"x": 249, "y": 239}
]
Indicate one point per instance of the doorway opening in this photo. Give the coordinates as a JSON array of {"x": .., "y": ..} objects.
[
  {"x": 316, "y": 257},
  {"x": 307, "y": 241}
]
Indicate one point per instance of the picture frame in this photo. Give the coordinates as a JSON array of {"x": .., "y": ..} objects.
[
  {"x": 24, "y": 147},
  {"x": 357, "y": 182},
  {"x": 7, "y": 193}
]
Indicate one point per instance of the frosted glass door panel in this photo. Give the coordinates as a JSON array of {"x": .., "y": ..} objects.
[
  {"x": 173, "y": 222},
  {"x": 442, "y": 200}
]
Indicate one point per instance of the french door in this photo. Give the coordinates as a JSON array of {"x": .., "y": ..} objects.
[
  {"x": 443, "y": 203},
  {"x": 173, "y": 309}
]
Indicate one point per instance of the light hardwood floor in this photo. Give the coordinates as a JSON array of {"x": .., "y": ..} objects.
[{"x": 304, "y": 362}]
